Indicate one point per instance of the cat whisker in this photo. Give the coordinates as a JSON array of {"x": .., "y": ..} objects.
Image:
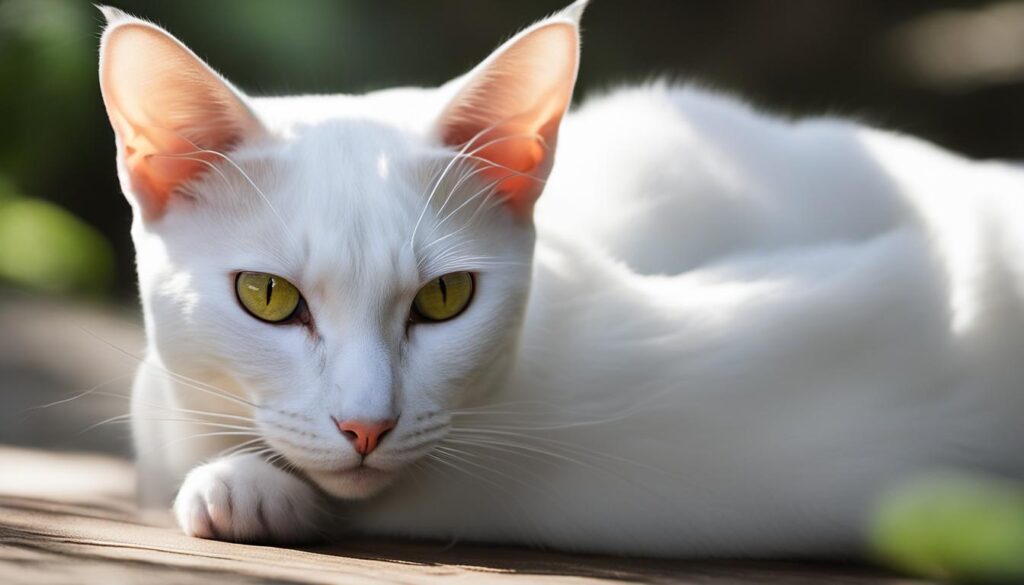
[
  {"x": 512, "y": 172},
  {"x": 243, "y": 447},
  {"x": 417, "y": 445},
  {"x": 548, "y": 445},
  {"x": 311, "y": 449},
  {"x": 503, "y": 502},
  {"x": 94, "y": 391},
  {"x": 461, "y": 155},
  {"x": 520, "y": 468},
  {"x": 289, "y": 429},
  {"x": 290, "y": 414},
  {"x": 220, "y": 173},
  {"x": 618, "y": 414},
  {"x": 105, "y": 421},
  {"x": 214, "y": 434},
  {"x": 230, "y": 161},
  {"x": 541, "y": 403},
  {"x": 489, "y": 433},
  {"x": 214, "y": 414},
  {"x": 488, "y": 192},
  {"x": 183, "y": 379},
  {"x": 129, "y": 417},
  {"x": 466, "y": 457},
  {"x": 540, "y": 454},
  {"x": 451, "y": 193},
  {"x": 156, "y": 450},
  {"x": 489, "y": 189},
  {"x": 197, "y": 412},
  {"x": 547, "y": 409},
  {"x": 560, "y": 425},
  {"x": 495, "y": 446},
  {"x": 474, "y": 262},
  {"x": 437, "y": 183},
  {"x": 205, "y": 388},
  {"x": 437, "y": 457},
  {"x": 202, "y": 423},
  {"x": 465, "y": 171},
  {"x": 483, "y": 165},
  {"x": 541, "y": 450}
]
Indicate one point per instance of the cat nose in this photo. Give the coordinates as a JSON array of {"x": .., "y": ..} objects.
[{"x": 364, "y": 435}]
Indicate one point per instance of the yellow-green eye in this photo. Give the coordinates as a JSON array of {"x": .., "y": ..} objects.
[
  {"x": 266, "y": 296},
  {"x": 444, "y": 297}
]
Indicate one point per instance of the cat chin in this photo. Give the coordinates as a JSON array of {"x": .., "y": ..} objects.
[{"x": 354, "y": 484}]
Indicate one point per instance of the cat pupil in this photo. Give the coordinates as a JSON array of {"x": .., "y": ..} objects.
[{"x": 270, "y": 289}]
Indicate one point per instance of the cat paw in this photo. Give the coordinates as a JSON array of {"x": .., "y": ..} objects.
[{"x": 245, "y": 499}]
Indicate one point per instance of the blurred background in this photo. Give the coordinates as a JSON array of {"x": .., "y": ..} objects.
[{"x": 950, "y": 71}]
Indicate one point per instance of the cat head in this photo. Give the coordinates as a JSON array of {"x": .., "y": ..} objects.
[{"x": 356, "y": 266}]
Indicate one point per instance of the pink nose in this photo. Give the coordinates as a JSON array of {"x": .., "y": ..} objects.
[{"x": 365, "y": 436}]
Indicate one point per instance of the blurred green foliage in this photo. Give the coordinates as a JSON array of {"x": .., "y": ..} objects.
[
  {"x": 956, "y": 527},
  {"x": 46, "y": 70},
  {"x": 795, "y": 56},
  {"x": 46, "y": 73},
  {"x": 45, "y": 248}
]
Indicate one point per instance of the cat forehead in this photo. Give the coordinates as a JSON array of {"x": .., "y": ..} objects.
[
  {"x": 353, "y": 190},
  {"x": 351, "y": 172},
  {"x": 337, "y": 202}
]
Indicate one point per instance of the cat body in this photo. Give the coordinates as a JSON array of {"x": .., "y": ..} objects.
[
  {"x": 745, "y": 358},
  {"x": 717, "y": 333}
]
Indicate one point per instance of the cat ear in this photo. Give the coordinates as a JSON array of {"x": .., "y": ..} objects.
[
  {"x": 166, "y": 107},
  {"x": 506, "y": 112}
]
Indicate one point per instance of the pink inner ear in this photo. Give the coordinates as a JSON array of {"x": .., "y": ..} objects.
[
  {"x": 509, "y": 110},
  {"x": 166, "y": 106},
  {"x": 518, "y": 159},
  {"x": 155, "y": 171}
]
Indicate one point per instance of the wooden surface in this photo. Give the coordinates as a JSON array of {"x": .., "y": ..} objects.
[{"x": 70, "y": 518}]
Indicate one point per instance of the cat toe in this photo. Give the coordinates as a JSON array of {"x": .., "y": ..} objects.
[{"x": 193, "y": 518}]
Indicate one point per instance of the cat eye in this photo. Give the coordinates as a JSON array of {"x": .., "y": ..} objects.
[
  {"x": 267, "y": 297},
  {"x": 444, "y": 297}
]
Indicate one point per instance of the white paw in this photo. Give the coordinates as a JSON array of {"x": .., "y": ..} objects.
[{"x": 245, "y": 499}]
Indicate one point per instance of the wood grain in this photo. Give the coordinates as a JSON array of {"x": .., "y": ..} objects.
[{"x": 70, "y": 518}]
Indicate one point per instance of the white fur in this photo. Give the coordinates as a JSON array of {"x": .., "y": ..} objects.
[{"x": 734, "y": 333}]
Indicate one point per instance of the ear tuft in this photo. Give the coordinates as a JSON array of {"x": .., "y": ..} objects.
[
  {"x": 574, "y": 11},
  {"x": 112, "y": 15}
]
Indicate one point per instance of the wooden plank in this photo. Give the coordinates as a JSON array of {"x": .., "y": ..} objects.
[{"x": 70, "y": 518}]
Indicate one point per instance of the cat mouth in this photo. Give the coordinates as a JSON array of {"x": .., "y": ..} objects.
[
  {"x": 360, "y": 472},
  {"x": 358, "y": 482}
]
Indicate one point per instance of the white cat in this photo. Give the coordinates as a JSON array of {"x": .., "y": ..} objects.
[{"x": 728, "y": 333}]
